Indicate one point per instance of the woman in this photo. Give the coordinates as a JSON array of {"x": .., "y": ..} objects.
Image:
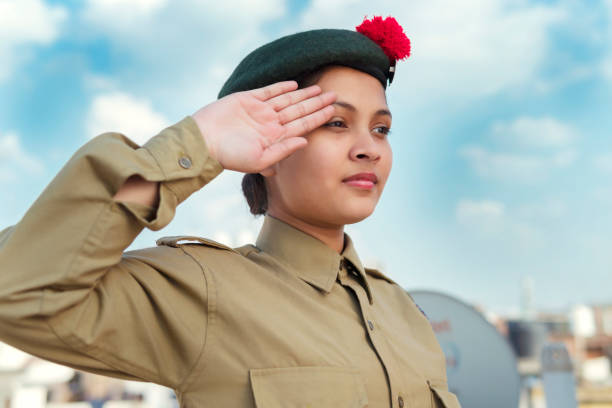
[{"x": 294, "y": 320}]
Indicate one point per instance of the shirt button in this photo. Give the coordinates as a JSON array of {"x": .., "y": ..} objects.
[
  {"x": 400, "y": 401},
  {"x": 184, "y": 162},
  {"x": 371, "y": 325}
]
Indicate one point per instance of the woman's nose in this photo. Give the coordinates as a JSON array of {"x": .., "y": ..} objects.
[{"x": 365, "y": 147}]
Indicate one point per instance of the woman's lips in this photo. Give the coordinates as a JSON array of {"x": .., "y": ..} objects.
[
  {"x": 362, "y": 180},
  {"x": 365, "y": 184}
]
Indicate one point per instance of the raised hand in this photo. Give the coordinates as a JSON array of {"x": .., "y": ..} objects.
[{"x": 251, "y": 130}]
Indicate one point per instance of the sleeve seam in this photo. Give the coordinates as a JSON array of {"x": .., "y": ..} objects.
[
  {"x": 184, "y": 382},
  {"x": 89, "y": 350}
]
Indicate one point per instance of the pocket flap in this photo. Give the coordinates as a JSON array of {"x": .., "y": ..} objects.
[
  {"x": 308, "y": 387},
  {"x": 448, "y": 399}
]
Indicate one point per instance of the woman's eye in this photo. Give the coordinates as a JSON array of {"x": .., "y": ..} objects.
[
  {"x": 383, "y": 130},
  {"x": 335, "y": 123}
]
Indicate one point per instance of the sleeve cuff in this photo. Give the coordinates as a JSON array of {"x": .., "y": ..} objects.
[
  {"x": 183, "y": 158},
  {"x": 185, "y": 166}
]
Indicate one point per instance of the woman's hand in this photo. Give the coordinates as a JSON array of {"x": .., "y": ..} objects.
[{"x": 251, "y": 130}]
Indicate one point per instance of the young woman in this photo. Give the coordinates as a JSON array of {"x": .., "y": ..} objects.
[{"x": 293, "y": 320}]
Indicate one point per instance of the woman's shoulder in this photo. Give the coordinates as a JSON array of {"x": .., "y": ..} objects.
[
  {"x": 379, "y": 275},
  {"x": 178, "y": 240},
  {"x": 181, "y": 250},
  {"x": 404, "y": 293}
]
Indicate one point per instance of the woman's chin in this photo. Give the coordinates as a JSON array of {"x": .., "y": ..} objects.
[
  {"x": 341, "y": 212},
  {"x": 356, "y": 214}
]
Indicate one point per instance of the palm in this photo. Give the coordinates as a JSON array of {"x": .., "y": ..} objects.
[{"x": 252, "y": 130}]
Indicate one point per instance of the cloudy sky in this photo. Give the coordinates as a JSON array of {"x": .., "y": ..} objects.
[{"x": 502, "y": 136}]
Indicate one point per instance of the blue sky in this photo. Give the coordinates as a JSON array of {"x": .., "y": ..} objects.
[{"x": 502, "y": 136}]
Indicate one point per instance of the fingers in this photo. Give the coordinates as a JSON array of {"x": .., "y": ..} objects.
[
  {"x": 278, "y": 151},
  {"x": 305, "y": 124},
  {"x": 306, "y": 107},
  {"x": 270, "y": 91},
  {"x": 282, "y": 101}
]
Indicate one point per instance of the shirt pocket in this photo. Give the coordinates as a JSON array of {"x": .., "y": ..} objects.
[
  {"x": 440, "y": 395},
  {"x": 308, "y": 387}
]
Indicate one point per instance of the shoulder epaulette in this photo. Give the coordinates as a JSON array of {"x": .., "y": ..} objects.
[
  {"x": 175, "y": 241},
  {"x": 378, "y": 274}
]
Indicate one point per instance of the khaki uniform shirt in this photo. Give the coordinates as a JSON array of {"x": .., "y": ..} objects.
[{"x": 287, "y": 322}]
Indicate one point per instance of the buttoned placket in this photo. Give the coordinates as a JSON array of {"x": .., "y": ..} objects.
[{"x": 377, "y": 340}]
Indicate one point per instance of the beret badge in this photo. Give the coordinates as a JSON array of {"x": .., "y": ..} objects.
[{"x": 389, "y": 35}]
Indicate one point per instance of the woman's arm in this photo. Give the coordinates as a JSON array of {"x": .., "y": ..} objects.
[
  {"x": 273, "y": 121},
  {"x": 68, "y": 292}
]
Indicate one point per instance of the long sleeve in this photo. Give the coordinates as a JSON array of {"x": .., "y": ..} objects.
[{"x": 68, "y": 291}]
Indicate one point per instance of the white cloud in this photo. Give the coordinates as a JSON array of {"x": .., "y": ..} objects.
[
  {"x": 491, "y": 219},
  {"x": 99, "y": 83},
  {"x": 606, "y": 65},
  {"x": 183, "y": 33},
  {"x": 602, "y": 194},
  {"x": 24, "y": 23},
  {"x": 574, "y": 72},
  {"x": 515, "y": 167},
  {"x": 528, "y": 132},
  {"x": 478, "y": 48},
  {"x": 124, "y": 113},
  {"x": 14, "y": 159},
  {"x": 526, "y": 149},
  {"x": 188, "y": 47},
  {"x": 129, "y": 6},
  {"x": 485, "y": 214},
  {"x": 606, "y": 68},
  {"x": 604, "y": 162},
  {"x": 546, "y": 209},
  {"x": 119, "y": 16}
]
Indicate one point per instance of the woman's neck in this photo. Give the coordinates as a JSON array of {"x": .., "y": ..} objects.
[{"x": 332, "y": 236}]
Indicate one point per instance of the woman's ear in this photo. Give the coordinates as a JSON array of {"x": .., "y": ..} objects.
[{"x": 268, "y": 171}]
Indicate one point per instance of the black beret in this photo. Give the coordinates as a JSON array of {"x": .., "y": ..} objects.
[{"x": 292, "y": 56}]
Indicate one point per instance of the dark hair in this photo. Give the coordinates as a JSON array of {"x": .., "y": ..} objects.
[{"x": 253, "y": 184}]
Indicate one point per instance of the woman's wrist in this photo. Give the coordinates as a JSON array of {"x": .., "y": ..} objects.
[{"x": 205, "y": 132}]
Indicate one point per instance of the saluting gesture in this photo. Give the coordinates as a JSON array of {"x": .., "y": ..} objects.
[{"x": 251, "y": 130}]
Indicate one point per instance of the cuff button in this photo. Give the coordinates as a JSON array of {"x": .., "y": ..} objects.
[{"x": 184, "y": 162}]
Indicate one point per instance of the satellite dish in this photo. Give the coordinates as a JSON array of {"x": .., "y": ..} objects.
[{"x": 480, "y": 364}]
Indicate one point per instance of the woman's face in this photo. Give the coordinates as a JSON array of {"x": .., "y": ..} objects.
[{"x": 311, "y": 184}]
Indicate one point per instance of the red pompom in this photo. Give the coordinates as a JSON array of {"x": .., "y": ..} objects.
[{"x": 388, "y": 34}]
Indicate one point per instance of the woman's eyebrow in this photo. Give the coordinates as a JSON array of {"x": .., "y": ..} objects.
[{"x": 350, "y": 107}]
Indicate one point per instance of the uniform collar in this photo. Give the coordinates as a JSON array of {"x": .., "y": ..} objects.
[{"x": 311, "y": 259}]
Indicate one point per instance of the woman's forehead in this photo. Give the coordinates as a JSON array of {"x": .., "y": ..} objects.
[{"x": 356, "y": 90}]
